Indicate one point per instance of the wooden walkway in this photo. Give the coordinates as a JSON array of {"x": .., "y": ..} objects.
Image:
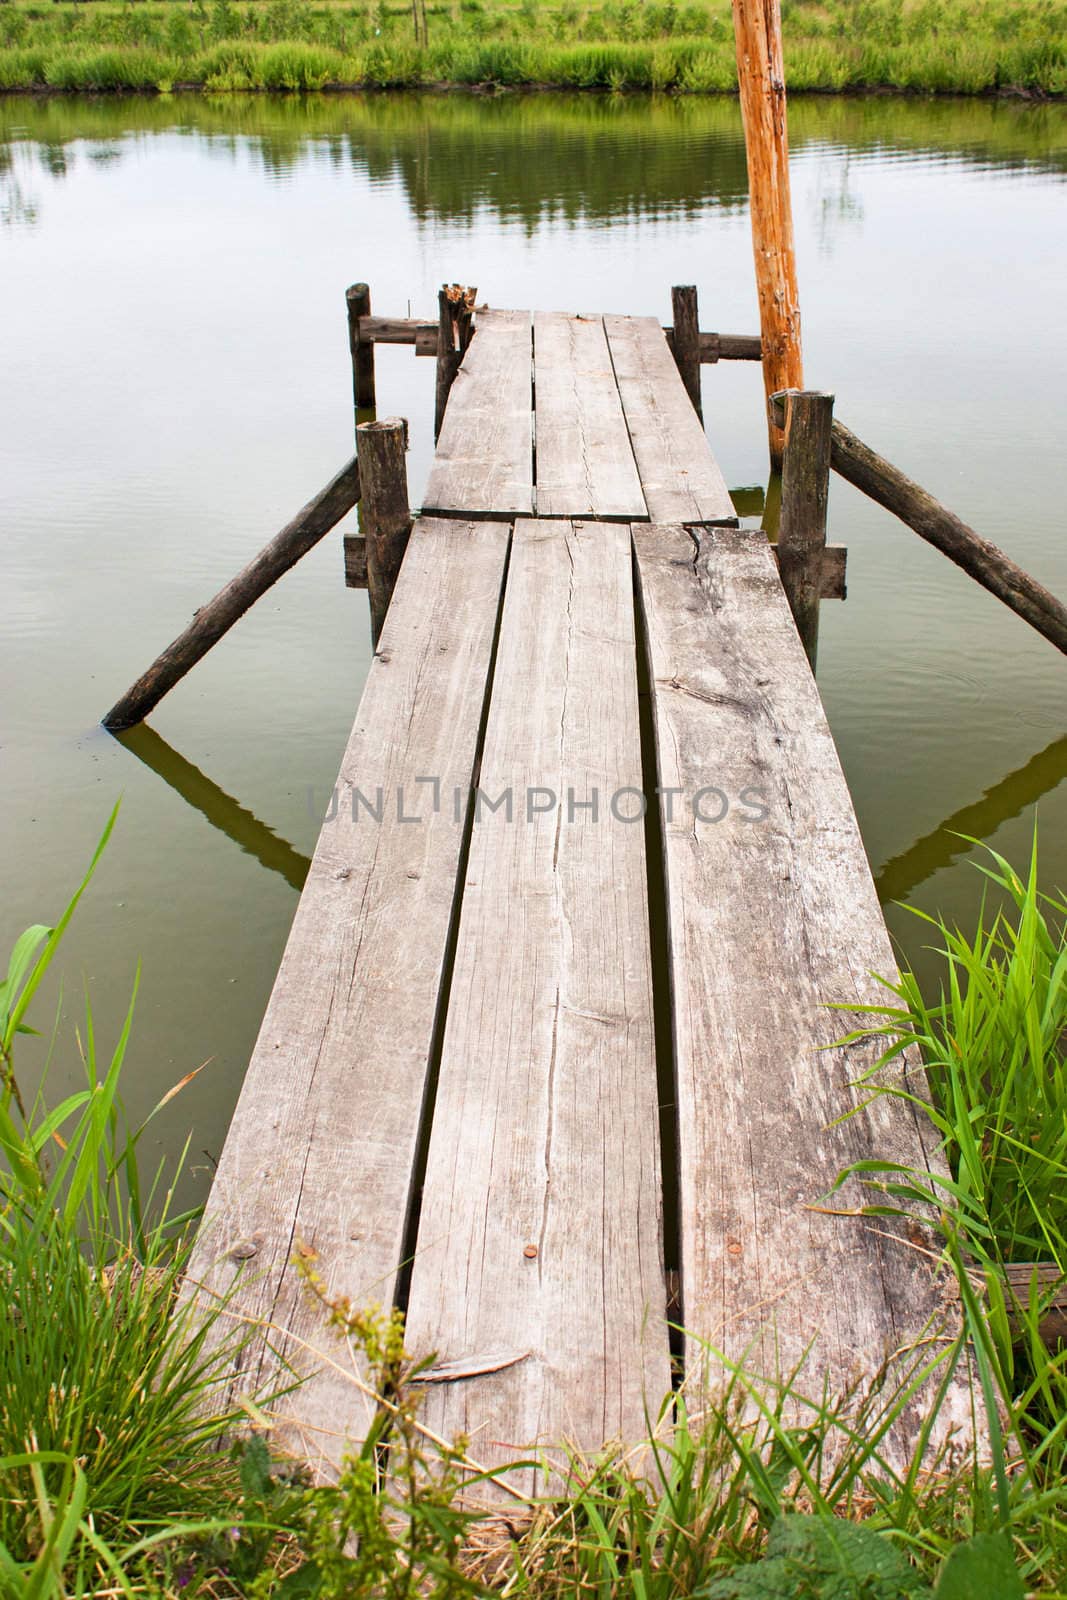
[{"x": 513, "y": 1013}]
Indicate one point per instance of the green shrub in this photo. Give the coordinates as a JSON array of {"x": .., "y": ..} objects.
[
  {"x": 299, "y": 66},
  {"x": 97, "y": 70},
  {"x": 23, "y": 69},
  {"x": 993, "y": 1048},
  {"x": 110, "y": 1386}
]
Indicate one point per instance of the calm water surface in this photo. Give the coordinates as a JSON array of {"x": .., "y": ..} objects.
[{"x": 174, "y": 383}]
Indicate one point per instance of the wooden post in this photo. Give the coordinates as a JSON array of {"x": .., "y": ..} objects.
[
  {"x": 802, "y": 519},
  {"x": 455, "y": 306},
  {"x": 447, "y": 358},
  {"x": 385, "y": 512},
  {"x": 219, "y": 615},
  {"x": 686, "y": 340},
  {"x": 357, "y": 299},
  {"x": 761, "y": 79}
]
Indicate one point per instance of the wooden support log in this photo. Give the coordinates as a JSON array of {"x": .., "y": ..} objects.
[
  {"x": 357, "y": 299},
  {"x": 802, "y": 520},
  {"x": 219, "y": 615},
  {"x": 730, "y": 347},
  {"x": 686, "y": 341},
  {"x": 386, "y": 515},
  {"x": 396, "y": 330},
  {"x": 715, "y": 347},
  {"x": 983, "y": 561},
  {"x": 761, "y": 80}
]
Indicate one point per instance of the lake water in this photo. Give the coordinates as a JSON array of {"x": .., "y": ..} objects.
[{"x": 176, "y": 383}]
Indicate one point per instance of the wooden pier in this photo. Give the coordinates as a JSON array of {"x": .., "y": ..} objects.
[{"x": 550, "y": 1058}]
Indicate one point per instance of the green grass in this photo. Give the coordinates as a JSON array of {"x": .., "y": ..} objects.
[
  {"x": 994, "y": 1047},
  {"x": 112, "y": 1480},
  {"x": 923, "y": 46},
  {"x": 110, "y": 1417}
]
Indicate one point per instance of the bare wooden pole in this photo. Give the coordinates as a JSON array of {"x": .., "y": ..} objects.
[
  {"x": 385, "y": 511},
  {"x": 802, "y": 520},
  {"x": 686, "y": 340},
  {"x": 357, "y": 299},
  {"x": 761, "y": 79},
  {"x": 219, "y": 615}
]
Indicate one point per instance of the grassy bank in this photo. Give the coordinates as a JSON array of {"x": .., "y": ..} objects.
[
  {"x": 113, "y": 1402},
  {"x": 921, "y": 46}
]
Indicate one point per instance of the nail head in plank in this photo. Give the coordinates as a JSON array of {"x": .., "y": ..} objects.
[
  {"x": 484, "y": 459},
  {"x": 540, "y": 1224},
  {"x": 321, "y": 1150},
  {"x": 679, "y": 475},
  {"x": 585, "y": 466},
  {"x": 773, "y": 918}
]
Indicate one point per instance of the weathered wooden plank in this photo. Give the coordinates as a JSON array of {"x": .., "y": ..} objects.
[
  {"x": 679, "y": 475},
  {"x": 484, "y": 460},
  {"x": 539, "y": 1236},
  {"x": 772, "y": 919},
  {"x": 684, "y": 344},
  {"x": 321, "y": 1149},
  {"x": 585, "y": 466}
]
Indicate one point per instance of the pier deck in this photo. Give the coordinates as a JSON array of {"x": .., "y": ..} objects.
[{"x": 534, "y": 1059}]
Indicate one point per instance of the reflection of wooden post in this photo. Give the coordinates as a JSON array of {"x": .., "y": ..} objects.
[
  {"x": 686, "y": 340},
  {"x": 385, "y": 513},
  {"x": 761, "y": 79},
  {"x": 802, "y": 520},
  {"x": 357, "y": 299}
]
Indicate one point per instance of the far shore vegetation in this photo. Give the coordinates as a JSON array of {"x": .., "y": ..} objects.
[{"x": 1006, "y": 47}]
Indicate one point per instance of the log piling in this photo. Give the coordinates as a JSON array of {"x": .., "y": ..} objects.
[
  {"x": 357, "y": 300},
  {"x": 802, "y": 519},
  {"x": 385, "y": 513},
  {"x": 455, "y": 331},
  {"x": 686, "y": 341}
]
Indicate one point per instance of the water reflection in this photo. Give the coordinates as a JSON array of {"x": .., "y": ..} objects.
[
  {"x": 902, "y": 875},
  {"x": 530, "y": 158},
  {"x": 223, "y": 812}
]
